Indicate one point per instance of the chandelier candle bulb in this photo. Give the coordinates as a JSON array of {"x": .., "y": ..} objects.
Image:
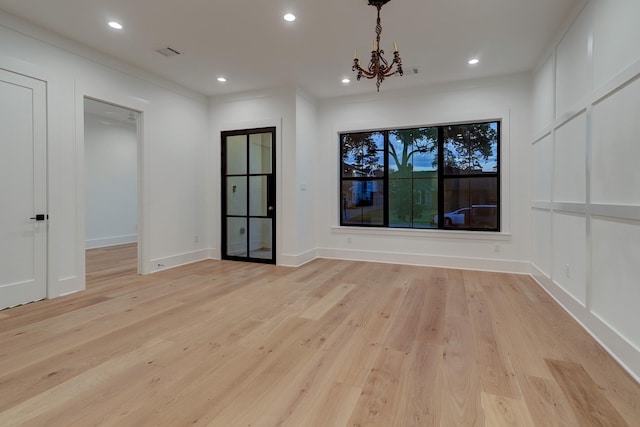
[
  {"x": 373, "y": 46},
  {"x": 356, "y": 57},
  {"x": 395, "y": 48}
]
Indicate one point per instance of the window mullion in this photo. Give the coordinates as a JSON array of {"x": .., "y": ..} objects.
[
  {"x": 440, "y": 177},
  {"x": 386, "y": 179}
]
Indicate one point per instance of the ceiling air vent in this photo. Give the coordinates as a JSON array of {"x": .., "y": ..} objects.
[
  {"x": 410, "y": 71},
  {"x": 168, "y": 51}
]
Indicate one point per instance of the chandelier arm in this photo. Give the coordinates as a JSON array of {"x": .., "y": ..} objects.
[
  {"x": 362, "y": 72},
  {"x": 367, "y": 75}
]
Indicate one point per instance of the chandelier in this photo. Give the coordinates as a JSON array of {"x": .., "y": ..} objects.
[{"x": 378, "y": 67}]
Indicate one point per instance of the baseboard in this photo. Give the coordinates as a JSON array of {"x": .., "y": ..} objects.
[
  {"x": 65, "y": 286},
  {"x": 289, "y": 260},
  {"x": 619, "y": 348},
  {"x": 159, "y": 264},
  {"x": 482, "y": 264},
  {"x": 110, "y": 241}
]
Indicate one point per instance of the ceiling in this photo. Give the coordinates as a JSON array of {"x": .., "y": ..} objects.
[{"x": 249, "y": 43}]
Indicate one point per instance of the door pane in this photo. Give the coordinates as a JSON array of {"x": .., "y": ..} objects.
[
  {"x": 260, "y": 238},
  {"x": 260, "y": 153},
  {"x": 236, "y": 195},
  {"x": 258, "y": 196},
  {"x": 236, "y": 155},
  {"x": 237, "y": 237}
]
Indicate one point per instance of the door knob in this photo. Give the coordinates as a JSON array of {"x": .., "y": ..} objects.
[{"x": 270, "y": 208}]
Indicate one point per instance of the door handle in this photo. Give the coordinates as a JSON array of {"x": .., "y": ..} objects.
[
  {"x": 270, "y": 208},
  {"x": 38, "y": 217}
]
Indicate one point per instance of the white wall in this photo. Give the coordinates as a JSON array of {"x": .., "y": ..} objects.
[
  {"x": 173, "y": 158},
  {"x": 505, "y": 98},
  {"x": 586, "y": 197},
  {"x": 294, "y": 115},
  {"x": 111, "y": 182},
  {"x": 306, "y": 165},
  {"x": 246, "y": 111}
]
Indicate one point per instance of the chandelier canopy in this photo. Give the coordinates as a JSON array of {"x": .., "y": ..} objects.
[{"x": 378, "y": 67}]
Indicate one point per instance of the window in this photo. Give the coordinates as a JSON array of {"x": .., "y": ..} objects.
[{"x": 445, "y": 177}]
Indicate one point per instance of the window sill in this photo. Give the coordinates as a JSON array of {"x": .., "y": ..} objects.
[{"x": 423, "y": 233}]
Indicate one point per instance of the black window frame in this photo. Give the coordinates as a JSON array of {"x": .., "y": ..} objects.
[{"x": 442, "y": 178}]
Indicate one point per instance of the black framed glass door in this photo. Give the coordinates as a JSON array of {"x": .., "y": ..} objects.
[{"x": 248, "y": 195}]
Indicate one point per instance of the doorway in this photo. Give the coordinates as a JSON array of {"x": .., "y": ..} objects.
[
  {"x": 23, "y": 189},
  {"x": 249, "y": 195},
  {"x": 111, "y": 147}
]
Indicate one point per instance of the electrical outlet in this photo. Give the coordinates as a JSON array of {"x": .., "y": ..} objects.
[
  {"x": 195, "y": 239},
  {"x": 242, "y": 230}
]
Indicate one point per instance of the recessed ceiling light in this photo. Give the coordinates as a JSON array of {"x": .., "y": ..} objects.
[
  {"x": 346, "y": 80},
  {"x": 221, "y": 79},
  {"x": 115, "y": 25},
  {"x": 290, "y": 17},
  {"x": 473, "y": 61}
]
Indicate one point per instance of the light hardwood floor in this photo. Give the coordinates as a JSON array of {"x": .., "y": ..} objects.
[{"x": 332, "y": 343}]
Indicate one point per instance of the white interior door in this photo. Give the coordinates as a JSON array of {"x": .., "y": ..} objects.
[{"x": 23, "y": 178}]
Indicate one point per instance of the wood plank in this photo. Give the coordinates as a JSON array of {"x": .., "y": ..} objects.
[
  {"x": 514, "y": 327},
  {"x": 299, "y": 388},
  {"x": 380, "y": 399},
  {"x": 326, "y": 303},
  {"x": 224, "y": 343},
  {"x": 331, "y": 408},
  {"x": 421, "y": 381},
  {"x": 547, "y": 403},
  {"x": 496, "y": 373},
  {"x": 590, "y": 406},
  {"x": 372, "y": 325},
  {"x": 41, "y": 405},
  {"x": 432, "y": 317},
  {"x": 460, "y": 392},
  {"x": 504, "y": 412},
  {"x": 406, "y": 319}
]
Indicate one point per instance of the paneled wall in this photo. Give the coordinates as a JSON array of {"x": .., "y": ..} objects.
[{"x": 586, "y": 178}]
